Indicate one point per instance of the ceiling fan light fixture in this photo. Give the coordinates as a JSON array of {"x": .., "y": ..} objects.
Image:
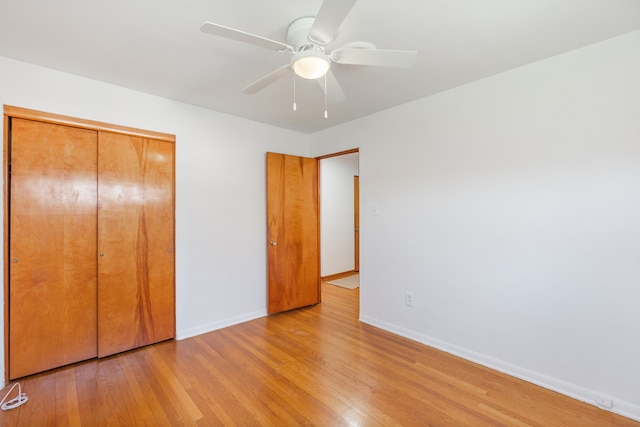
[{"x": 310, "y": 64}]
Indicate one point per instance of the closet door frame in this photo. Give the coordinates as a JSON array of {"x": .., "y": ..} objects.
[{"x": 23, "y": 113}]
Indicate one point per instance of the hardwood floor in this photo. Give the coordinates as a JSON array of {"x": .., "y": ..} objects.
[{"x": 312, "y": 366}]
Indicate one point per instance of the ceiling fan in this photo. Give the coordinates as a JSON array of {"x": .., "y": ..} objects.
[{"x": 307, "y": 39}]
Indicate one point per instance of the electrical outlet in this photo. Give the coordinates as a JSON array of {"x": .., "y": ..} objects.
[
  {"x": 604, "y": 402},
  {"x": 408, "y": 299}
]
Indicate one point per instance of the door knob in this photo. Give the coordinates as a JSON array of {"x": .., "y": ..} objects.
[{"x": 273, "y": 243}]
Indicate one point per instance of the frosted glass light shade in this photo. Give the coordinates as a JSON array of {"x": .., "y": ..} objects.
[{"x": 310, "y": 64}]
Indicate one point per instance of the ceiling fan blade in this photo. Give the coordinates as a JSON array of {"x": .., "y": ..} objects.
[
  {"x": 334, "y": 92},
  {"x": 375, "y": 57},
  {"x": 267, "y": 80},
  {"x": 241, "y": 36},
  {"x": 328, "y": 20}
]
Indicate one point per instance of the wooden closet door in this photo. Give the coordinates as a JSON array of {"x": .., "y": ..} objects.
[
  {"x": 52, "y": 246},
  {"x": 135, "y": 240}
]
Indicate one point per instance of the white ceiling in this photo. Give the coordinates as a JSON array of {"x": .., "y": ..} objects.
[{"x": 156, "y": 46}]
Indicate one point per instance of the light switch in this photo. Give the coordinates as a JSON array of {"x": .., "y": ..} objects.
[{"x": 375, "y": 210}]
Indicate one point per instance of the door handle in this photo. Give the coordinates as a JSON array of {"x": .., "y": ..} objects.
[{"x": 273, "y": 242}]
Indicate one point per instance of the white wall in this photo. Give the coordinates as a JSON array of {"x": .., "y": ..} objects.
[
  {"x": 510, "y": 207},
  {"x": 220, "y": 186},
  {"x": 337, "y": 214}
]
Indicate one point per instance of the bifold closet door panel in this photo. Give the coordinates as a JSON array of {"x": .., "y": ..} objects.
[
  {"x": 52, "y": 246},
  {"x": 135, "y": 242}
]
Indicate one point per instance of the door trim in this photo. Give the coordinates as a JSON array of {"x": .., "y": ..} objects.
[
  {"x": 41, "y": 116},
  {"x": 339, "y": 153}
]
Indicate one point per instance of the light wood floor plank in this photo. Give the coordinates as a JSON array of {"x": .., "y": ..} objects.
[{"x": 313, "y": 366}]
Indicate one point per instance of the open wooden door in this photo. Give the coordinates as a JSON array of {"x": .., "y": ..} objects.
[{"x": 293, "y": 256}]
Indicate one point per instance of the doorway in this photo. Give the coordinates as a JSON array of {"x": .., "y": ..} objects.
[
  {"x": 339, "y": 218},
  {"x": 293, "y": 203}
]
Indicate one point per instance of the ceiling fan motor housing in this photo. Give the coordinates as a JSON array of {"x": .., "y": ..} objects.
[{"x": 298, "y": 33}]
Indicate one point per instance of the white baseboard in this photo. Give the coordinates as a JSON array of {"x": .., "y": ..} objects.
[
  {"x": 626, "y": 409},
  {"x": 209, "y": 327}
]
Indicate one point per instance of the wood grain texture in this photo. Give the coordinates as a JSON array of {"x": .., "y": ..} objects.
[
  {"x": 52, "y": 272},
  {"x": 293, "y": 225},
  {"x": 356, "y": 223},
  {"x": 136, "y": 296},
  {"x": 6, "y": 159},
  {"x": 51, "y": 220},
  {"x": 313, "y": 366}
]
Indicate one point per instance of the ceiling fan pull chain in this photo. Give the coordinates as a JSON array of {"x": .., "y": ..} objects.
[
  {"x": 326, "y": 115},
  {"x": 294, "y": 92}
]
